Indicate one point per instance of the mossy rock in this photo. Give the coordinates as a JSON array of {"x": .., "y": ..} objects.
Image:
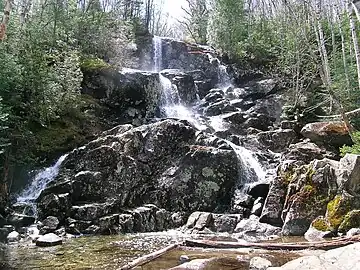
[
  {"x": 93, "y": 64},
  {"x": 351, "y": 220},
  {"x": 338, "y": 208},
  {"x": 321, "y": 224}
]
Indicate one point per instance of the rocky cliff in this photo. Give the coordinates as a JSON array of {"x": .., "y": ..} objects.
[{"x": 200, "y": 144}]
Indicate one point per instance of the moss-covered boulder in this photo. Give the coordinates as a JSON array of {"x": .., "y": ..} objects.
[
  {"x": 309, "y": 191},
  {"x": 351, "y": 220}
]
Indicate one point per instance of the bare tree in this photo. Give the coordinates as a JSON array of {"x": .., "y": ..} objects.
[{"x": 5, "y": 19}]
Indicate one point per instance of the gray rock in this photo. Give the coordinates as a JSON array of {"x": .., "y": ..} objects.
[
  {"x": 48, "y": 240},
  {"x": 12, "y": 237},
  {"x": 353, "y": 232},
  {"x": 50, "y": 224},
  {"x": 225, "y": 222},
  {"x": 197, "y": 264},
  {"x": 277, "y": 140},
  {"x": 336, "y": 259},
  {"x": 313, "y": 234},
  {"x": 349, "y": 174},
  {"x": 19, "y": 220},
  {"x": 258, "y": 263}
]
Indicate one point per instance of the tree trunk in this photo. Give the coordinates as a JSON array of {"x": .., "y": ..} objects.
[
  {"x": 5, "y": 19},
  {"x": 355, "y": 40}
]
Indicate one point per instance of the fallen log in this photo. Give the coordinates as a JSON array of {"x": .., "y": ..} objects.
[
  {"x": 149, "y": 257},
  {"x": 323, "y": 245},
  {"x": 351, "y": 114}
]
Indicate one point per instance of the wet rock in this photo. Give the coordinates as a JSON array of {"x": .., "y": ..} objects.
[
  {"x": 50, "y": 224},
  {"x": 243, "y": 200},
  {"x": 259, "y": 190},
  {"x": 108, "y": 224},
  {"x": 258, "y": 263},
  {"x": 274, "y": 203},
  {"x": 89, "y": 212},
  {"x": 120, "y": 91},
  {"x": 126, "y": 222},
  {"x": 220, "y": 107},
  {"x": 76, "y": 227},
  {"x": 184, "y": 83},
  {"x": 19, "y": 220},
  {"x": 12, "y": 237},
  {"x": 53, "y": 205},
  {"x": 33, "y": 232},
  {"x": 327, "y": 133},
  {"x": 48, "y": 240},
  {"x": 259, "y": 121},
  {"x": 277, "y": 140}
]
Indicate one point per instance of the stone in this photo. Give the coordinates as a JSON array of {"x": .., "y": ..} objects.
[
  {"x": 259, "y": 190},
  {"x": 335, "y": 259},
  {"x": 48, "y": 240},
  {"x": 197, "y": 264},
  {"x": 277, "y": 140},
  {"x": 12, "y": 237},
  {"x": 252, "y": 229},
  {"x": 19, "y": 220},
  {"x": 50, "y": 224},
  {"x": 184, "y": 259},
  {"x": 274, "y": 203},
  {"x": 225, "y": 222},
  {"x": 309, "y": 191},
  {"x": 243, "y": 200},
  {"x": 328, "y": 133},
  {"x": 319, "y": 229},
  {"x": 258, "y": 263},
  {"x": 351, "y": 220},
  {"x": 305, "y": 151},
  {"x": 352, "y": 232},
  {"x": 349, "y": 173}
]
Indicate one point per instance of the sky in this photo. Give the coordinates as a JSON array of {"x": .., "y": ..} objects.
[{"x": 173, "y": 7}]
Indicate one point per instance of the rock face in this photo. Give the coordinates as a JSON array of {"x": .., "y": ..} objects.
[{"x": 125, "y": 170}]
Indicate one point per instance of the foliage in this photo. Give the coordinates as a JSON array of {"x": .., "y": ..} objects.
[{"x": 354, "y": 149}]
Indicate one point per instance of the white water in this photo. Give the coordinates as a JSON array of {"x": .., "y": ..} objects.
[
  {"x": 39, "y": 182},
  {"x": 157, "y": 44}
]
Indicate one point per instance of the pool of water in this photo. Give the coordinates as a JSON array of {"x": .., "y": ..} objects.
[{"x": 111, "y": 252}]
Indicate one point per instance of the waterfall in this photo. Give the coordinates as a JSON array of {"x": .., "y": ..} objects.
[
  {"x": 157, "y": 44},
  {"x": 38, "y": 183}
]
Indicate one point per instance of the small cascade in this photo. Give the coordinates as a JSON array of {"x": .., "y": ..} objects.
[
  {"x": 157, "y": 44},
  {"x": 38, "y": 183},
  {"x": 224, "y": 80}
]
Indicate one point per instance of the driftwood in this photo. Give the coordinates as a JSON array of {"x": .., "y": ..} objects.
[
  {"x": 149, "y": 257},
  {"x": 323, "y": 245},
  {"x": 351, "y": 114}
]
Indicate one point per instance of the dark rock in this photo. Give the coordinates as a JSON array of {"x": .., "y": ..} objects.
[
  {"x": 225, "y": 222},
  {"x": 305, "y": 151},
  {"x": 277, "y": 140},
  {"x": 50, "y": 224},
  {"x": 19, "y": 220},
  {"x": 260, "y": 121},
  {"x": 259, "y": 190},
  {"x": 48, "y": 240},
  {"x": 184, "y": 83},
  {"x": 327, "y": 133}
]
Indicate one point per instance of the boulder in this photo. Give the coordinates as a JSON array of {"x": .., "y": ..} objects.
[
  {"x": 48, "y": 240},
  {"x": 335, "y": 259},
  {"x": 319, "y": 229},
  {"x": 310, "y": 189},
  {"x": 277, "y": 140},
  {"x": 351, "y": 220},
  {"x": 184, "y": 83},
  {"x": 349, "y": 174},
  {"x": 304, "y": 151},
  {"x": 19, "y": 220},
  {"x": 258, "y": 263},
  {"x": 252, "y": 229},
  {"x": 352, "y": 232},
  {"x": 49, "y": 224},
  {"x": 12, "y": 237},
  {"x": 258, "y": 206},
  {"x": 328, "y": 133}
]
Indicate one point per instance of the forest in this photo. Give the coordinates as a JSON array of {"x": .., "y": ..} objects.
[{"x": 45, "y": 46}]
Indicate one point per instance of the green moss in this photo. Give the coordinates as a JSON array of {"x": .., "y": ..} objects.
[
  {"x": 93, "y": 64},
  {"x": 351, "y": 220},
  {"x": 337, "y": 209},
  {"x": 321, "y": 224}
]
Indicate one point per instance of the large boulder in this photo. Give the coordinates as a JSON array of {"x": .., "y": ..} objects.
[
  {"x": 327, "y": 133},
  {"x": 131, "y": 95},
  {"x": 349, "y": 174},
  {"x": 162, "y": 163}
]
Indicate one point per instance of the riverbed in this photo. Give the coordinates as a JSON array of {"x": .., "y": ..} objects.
[{"x": 111, "y": 252}]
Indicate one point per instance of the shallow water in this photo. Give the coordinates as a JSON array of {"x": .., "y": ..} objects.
[{"x": 111, "y": 252}]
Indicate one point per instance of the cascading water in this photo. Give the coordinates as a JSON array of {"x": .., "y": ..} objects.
[
  {"x": 251, "y": 170},
  {"x": 157, "y": 45},
  {"x": 38, "y": 183}
]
